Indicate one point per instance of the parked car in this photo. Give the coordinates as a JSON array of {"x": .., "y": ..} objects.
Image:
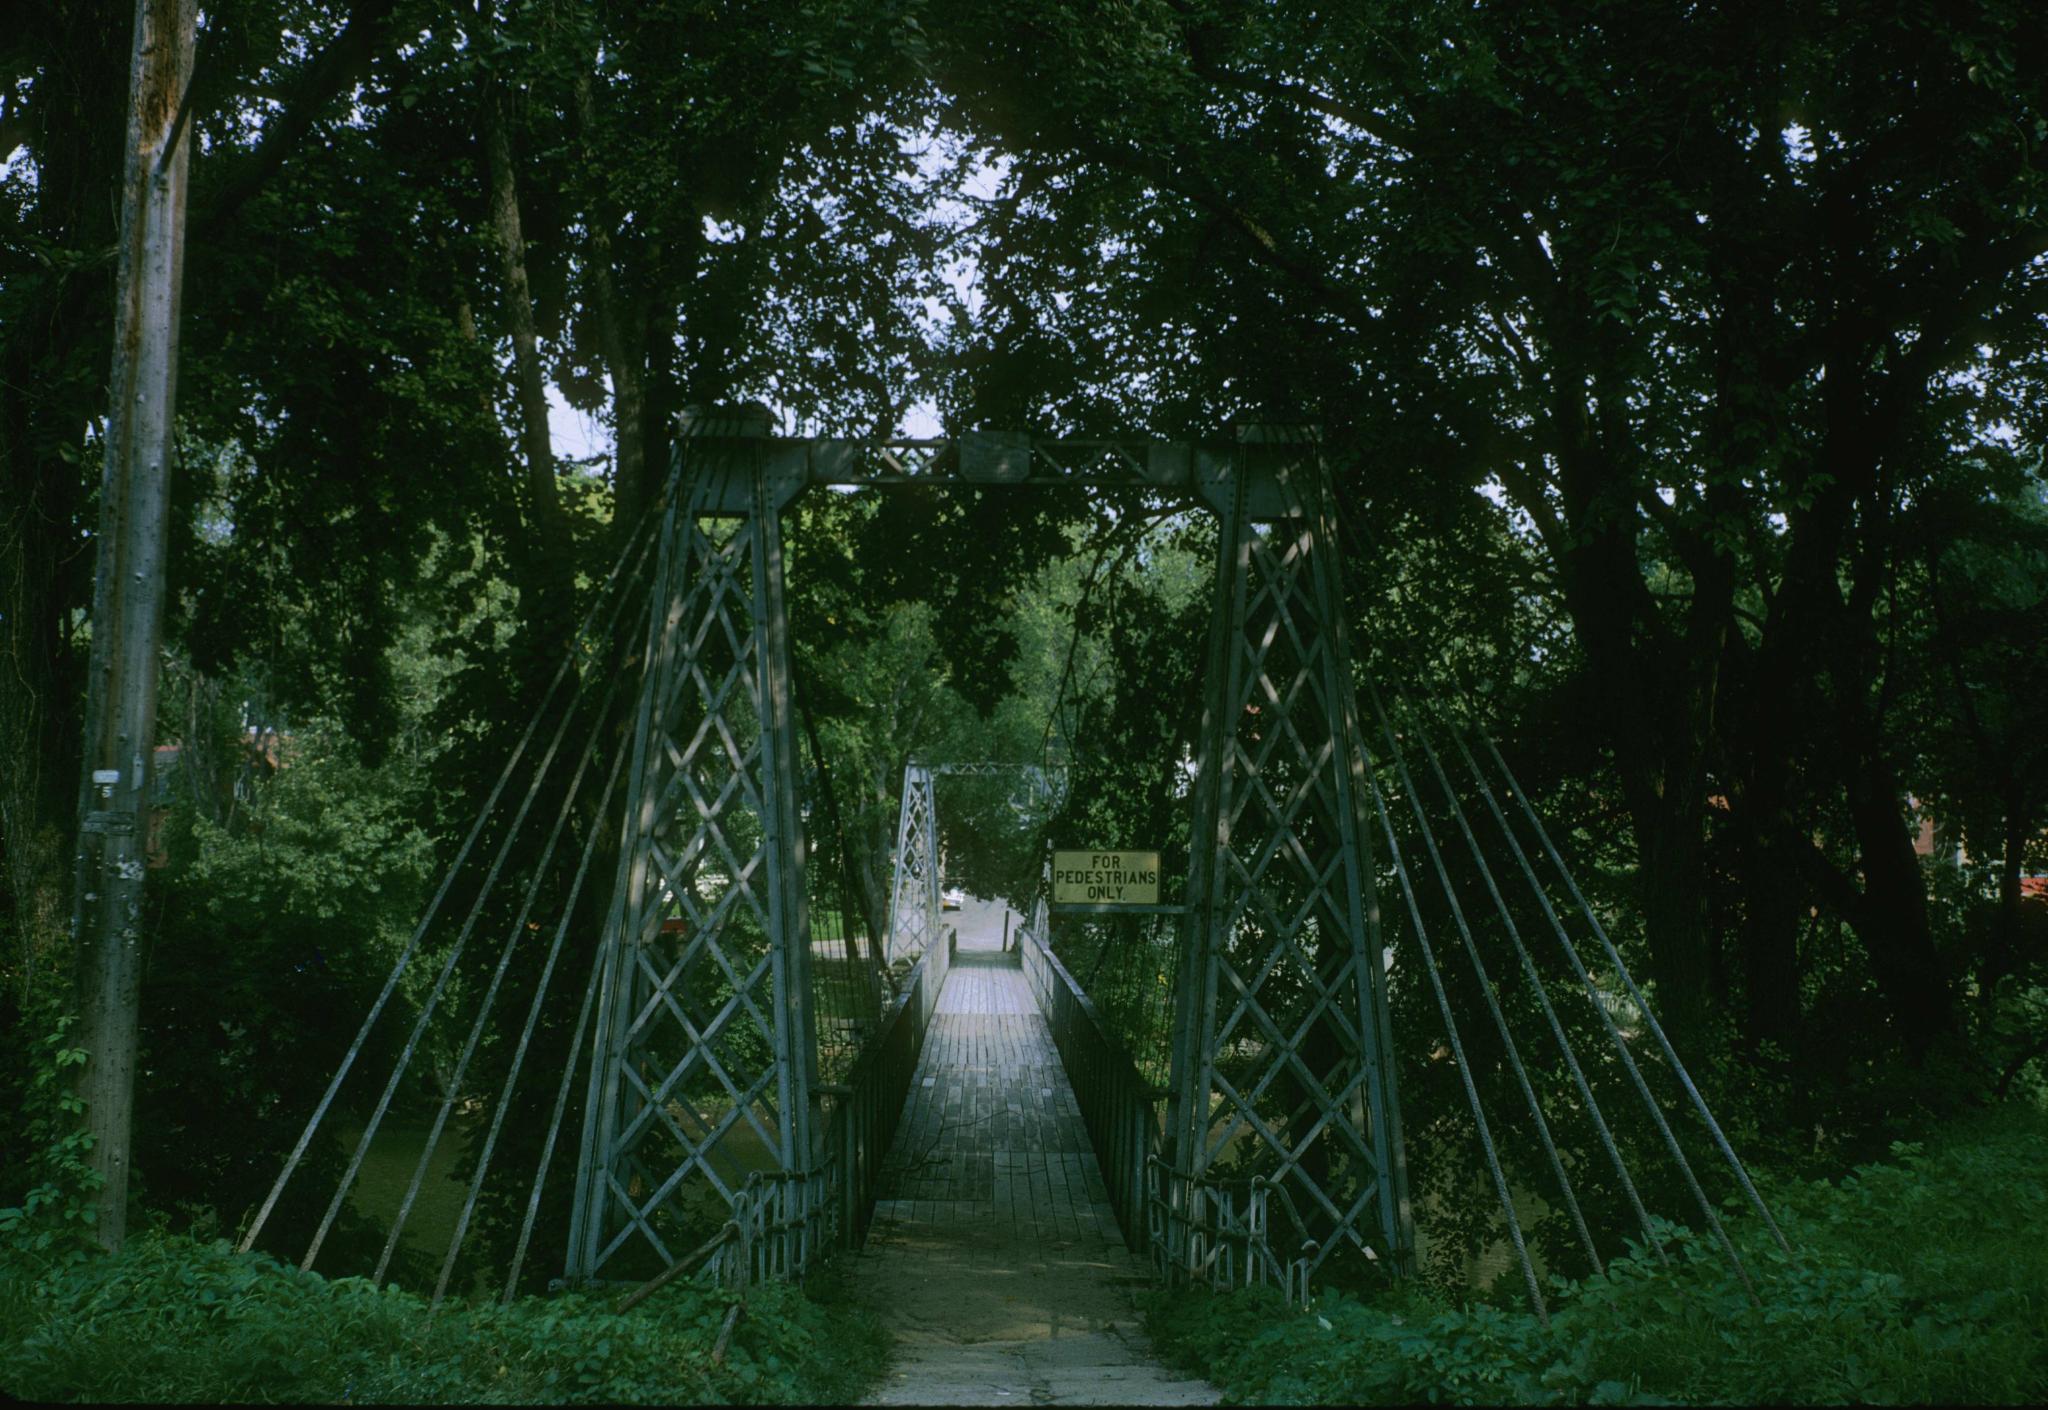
[{"x": 952, "y": 898}]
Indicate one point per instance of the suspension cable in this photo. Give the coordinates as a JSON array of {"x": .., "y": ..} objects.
[
  {"x": 489, "y": 1001},
  {"x": 634, "y": 550},
  {"x": 1458, "y": 679},
  {"x": 1621, "y": 968},
  {"x": 526, "y": 1033},
  {"x": 441, "y": 981},
  {"x": 850, "y": 889},
  {"x": 547, "y": 1151},
  {"x": 1486, "y": 989},
  {"x": 1537, "y": 985},
  {"x": 1443, "y": 1003}
]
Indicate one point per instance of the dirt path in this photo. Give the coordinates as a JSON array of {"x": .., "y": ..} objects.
[{"x": 994, "y": 1256}]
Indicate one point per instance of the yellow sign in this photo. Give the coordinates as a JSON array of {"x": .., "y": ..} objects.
[{"x": 1105, "y": 878}]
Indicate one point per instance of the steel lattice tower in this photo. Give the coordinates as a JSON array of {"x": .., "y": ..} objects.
[{"x": 706, "y": 1030}]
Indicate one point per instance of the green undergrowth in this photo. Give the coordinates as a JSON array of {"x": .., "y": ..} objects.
[
  {"x": 1921, "y": 1279},
  {"x": 171, "y": 1319}
]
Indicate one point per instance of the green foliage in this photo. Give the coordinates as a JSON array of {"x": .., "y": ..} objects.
[
  {"x": 1918, "y": 1281},
  {"x": 1708, "y": 603},
  {"x": 282, "y": 917},
  {"x": 1418, "y": 222},
  {"x": 55, "y": 1217},
  {"x": 173, "y": 1319}
]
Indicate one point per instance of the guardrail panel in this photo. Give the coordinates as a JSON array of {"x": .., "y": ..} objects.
[
  {"x": 1118, "y": 1107},
  {"x": 868, "y": 1109}
]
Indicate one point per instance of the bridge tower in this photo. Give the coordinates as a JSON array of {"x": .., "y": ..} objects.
[
  {"x": 914, "y": 892},
  {"x": 709, "y": 1142},
  {"x": 706, "y": 1035},
  {"x": 1284, "y": 1123}
]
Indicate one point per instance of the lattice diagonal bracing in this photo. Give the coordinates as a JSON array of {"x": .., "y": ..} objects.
[
  {"x": 703, "y": 1069},
  {"x": 1284, "y": 1074},
  {"x": 914, "y": 894},
  {"x": 1282, "y": 1160}
]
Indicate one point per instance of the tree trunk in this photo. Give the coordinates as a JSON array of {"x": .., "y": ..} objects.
[
  {"x": 631, "y": 490},
  {"x": 53, "y": 361},
  {"x": 1892, "y": 921},
  {"x": 1653, "y": 716},
  {"x": 1673, "y": 879},
  {"x": 545, "y": 556},
  {"x": 657, "y": 329},
  {"x": 2001, "y": 953},
  {"x": 129, "y": 594},
  {"x": 38, "y": 743},
  {"x": 1775, "y": 892},
  {"x": 1773, "y": 900}
]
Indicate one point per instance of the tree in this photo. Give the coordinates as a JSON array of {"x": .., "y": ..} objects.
[
  {"x": 1691, "y": 290},
  {"x": 1974, "y": 683}
]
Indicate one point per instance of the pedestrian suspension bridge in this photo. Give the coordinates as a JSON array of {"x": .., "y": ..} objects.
[{"x": 707, "y": 1057}]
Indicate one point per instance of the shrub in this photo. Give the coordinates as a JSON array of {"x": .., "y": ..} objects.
[
  {"x": 57, "y": 1213},
  {"x": 172, "y": 1319},
  {"x": 1917, "y": 1280}
]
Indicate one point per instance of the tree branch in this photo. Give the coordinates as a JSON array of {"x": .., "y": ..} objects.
[
  {"x": 1691, "y": 545},
  {"x": 14, "y": 130},
  {"x": 1364, "y": 119},
  {"x": 337, "y": 69},
  {"x": 1527, "y": 489},
  {"x": 1266, "y": 247},
  {"x": 1952, "y": 658}
]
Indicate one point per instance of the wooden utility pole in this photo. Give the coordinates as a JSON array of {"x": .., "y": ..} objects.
[{"x": 128, "y": 596}]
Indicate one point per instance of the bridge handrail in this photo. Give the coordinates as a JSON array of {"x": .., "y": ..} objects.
[
  {"x": 1220, "y": 1231},
  {"x": 868, "y": 1106},
  {"x": 1118, "y": 1106}
]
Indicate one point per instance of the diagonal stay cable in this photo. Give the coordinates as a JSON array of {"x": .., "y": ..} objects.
[
  {"x": 490, "y": 998},
  {"x": 1528, "y": 965},
  {"x": 1500, "y": 1023},
  {"x": 635, "y": 550},
  {"x": 1678, "y": 1067},
  {"x": 850, "y": 891},
  {"x": 433, "y": 1000},
  {"x": 1656, "y": 1114},
  {"x": 526, "y": 1033},
  {"x": 1592, "y": 994},
  {"x": 1443, "y": 1003},
  {"x": 1621, "y": 968},
  {"x": 1535, "y": 979},
  {"x": 547, "y": 1151}
]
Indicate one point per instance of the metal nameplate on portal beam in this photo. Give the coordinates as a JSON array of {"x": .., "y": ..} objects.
[{"x": 1110, "y": 879}]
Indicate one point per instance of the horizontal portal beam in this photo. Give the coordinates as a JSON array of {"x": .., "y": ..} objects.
[{"x": 790, "y": 465}]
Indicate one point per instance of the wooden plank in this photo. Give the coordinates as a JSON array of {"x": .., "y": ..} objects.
[{"x": 992, "y": 1152}]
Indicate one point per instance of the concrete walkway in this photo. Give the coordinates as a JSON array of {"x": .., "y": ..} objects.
[{"x": 994, "y": 1256}]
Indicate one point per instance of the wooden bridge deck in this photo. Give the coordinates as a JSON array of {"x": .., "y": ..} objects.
[{"x": 994, "y": 1254}]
